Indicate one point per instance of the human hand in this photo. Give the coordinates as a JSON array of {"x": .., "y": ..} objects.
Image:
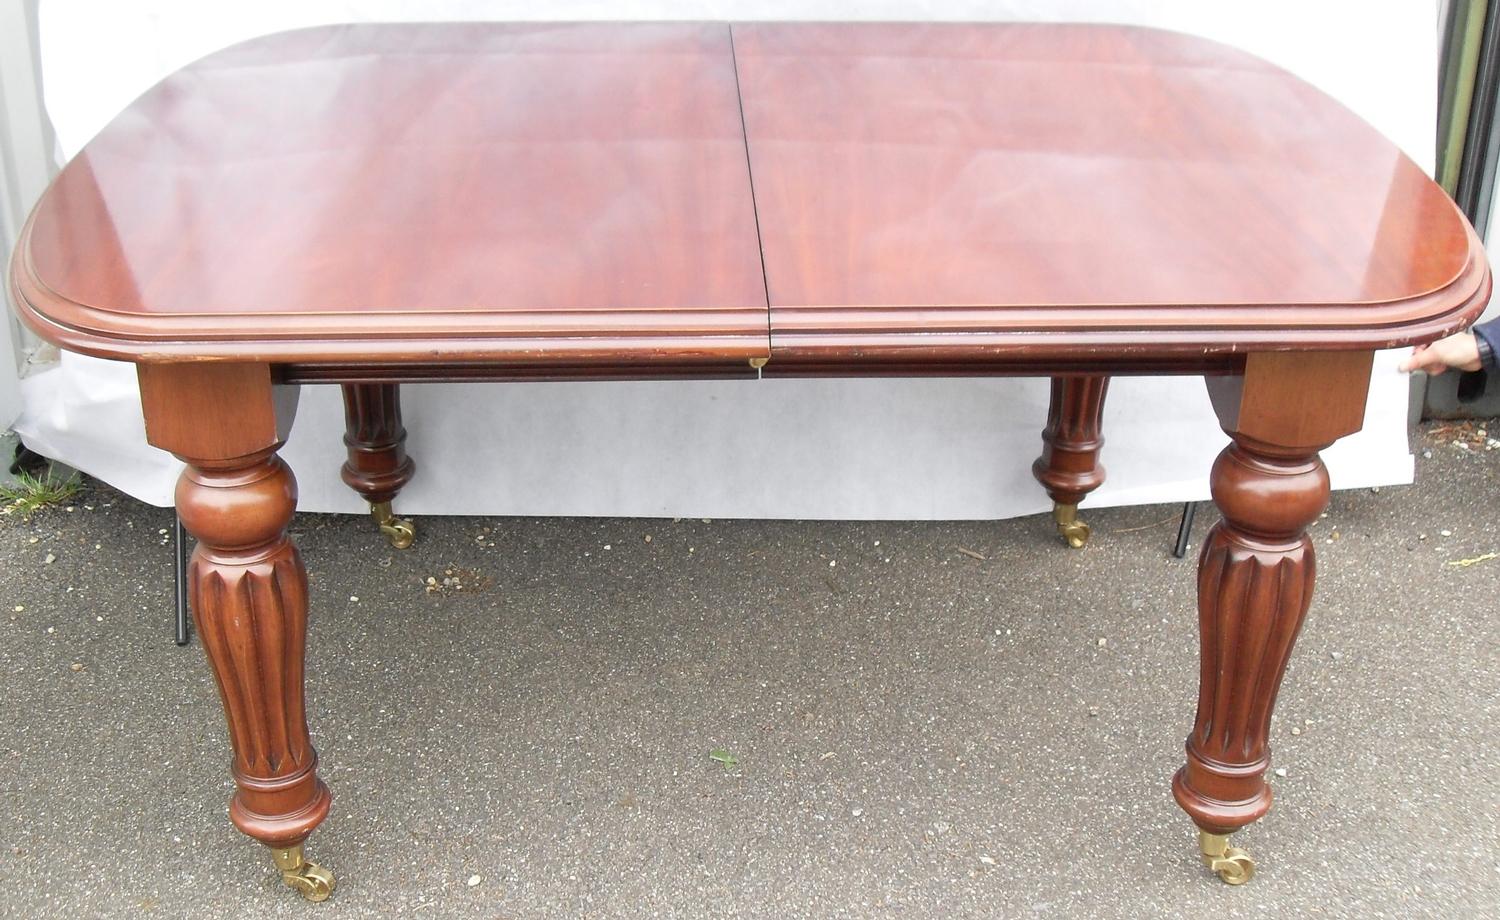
[{"x": 1460, "y": 351}]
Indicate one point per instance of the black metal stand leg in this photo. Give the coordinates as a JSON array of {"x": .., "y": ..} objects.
[
  {"x": 1185, "y": 529},
  {"x": 179, "y": 550}
]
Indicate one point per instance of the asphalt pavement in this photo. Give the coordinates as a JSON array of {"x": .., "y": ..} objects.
[{"x": 519, "y": 717}]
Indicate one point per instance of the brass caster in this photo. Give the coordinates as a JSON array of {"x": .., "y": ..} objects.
[
  {"x": 312, "y": 880},
  {"x": 399, "y": 531},
  {"x": 1073, "y": 531},
  {"x": 1231, "y": 864}
]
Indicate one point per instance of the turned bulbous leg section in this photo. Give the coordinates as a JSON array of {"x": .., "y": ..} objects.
[
  {"x": 1069, "y": 467},
  {"x": 1255, "y": 581},
  {"x": 248, "y": 591},
  {"x": 377, "y": 466},
  {"x": 246, "y": 584}
]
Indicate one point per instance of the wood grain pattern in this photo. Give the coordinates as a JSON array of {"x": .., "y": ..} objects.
[
  {"x": 1256, "y": 569},
  {"x": 585, "y": 201},
  {"x": 246, "y": 583},
  {"x": 1069, "y": 467},
  {"x": 517, "y": 192},
  {"x": 1255, "y": 582},
  {"x": 377, "y": 466},
  {"x": 930, "y": 191},
  {"x": 373, "y": 204},
  {"x": 1309, "y": 399},
  {"x": 210, "y": 411},
  {"x": 248, "y": 592}
]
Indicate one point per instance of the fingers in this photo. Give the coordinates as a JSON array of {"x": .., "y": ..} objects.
[
  {"x": 1425, "y": 359},
  {"x": 1459, "y": 350},
  {"x": 1419, "y": 357}
]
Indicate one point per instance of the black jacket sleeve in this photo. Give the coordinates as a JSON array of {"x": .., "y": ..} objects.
[{"x": 1490, "y": 332}]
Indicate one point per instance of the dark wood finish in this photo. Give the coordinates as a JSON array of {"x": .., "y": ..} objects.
[
  {"x": 1255, "y": 572},
  {"x": 377, "y": 466},
  {"x": 996, "y": 365},
  {"x": 373, "y": 204},
  {"x": 1069, "y": 467},
  {"x": 928, "y": 192},
  {"x": 1290, "y": 398},
  {"x": 182, "y": 403},
  {"x": 246, "y": 582},
  {"x": 569, "y": 199},
  {"x": 528, "y": 193}
]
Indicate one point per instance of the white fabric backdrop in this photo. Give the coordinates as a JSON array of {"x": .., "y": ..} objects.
[{"x": 835, "y": 449}]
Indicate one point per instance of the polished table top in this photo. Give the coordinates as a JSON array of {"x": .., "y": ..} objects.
[
  {"x": 705, "y": 194},
  {"x": 380, "y": 204}
]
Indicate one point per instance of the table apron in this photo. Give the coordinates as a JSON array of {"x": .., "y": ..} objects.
[{"x": 1207, "y": 365}]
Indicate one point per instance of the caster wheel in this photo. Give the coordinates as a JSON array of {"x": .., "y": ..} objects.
[
  {"x": 1074, "y": 532},
  {"x": 1235, "y": 867},
  {"x": 1231, "y": 864},
  {"x": 399, "y": 531},
  {"x": 311, "y": 880}
]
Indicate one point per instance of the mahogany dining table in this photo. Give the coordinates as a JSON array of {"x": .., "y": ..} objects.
[{"x": 375, "y": 205}]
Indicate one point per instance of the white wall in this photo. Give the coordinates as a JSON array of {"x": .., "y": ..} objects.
[{"x": 26, "y": 163}]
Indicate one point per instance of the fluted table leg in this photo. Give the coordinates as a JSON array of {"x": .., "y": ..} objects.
[
  {"x": 1255, "y": 578},
  {"x": 1069, "y": 467},
  {"x": 377, "y": 466},
  {"x": 248, "y": 591}
]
